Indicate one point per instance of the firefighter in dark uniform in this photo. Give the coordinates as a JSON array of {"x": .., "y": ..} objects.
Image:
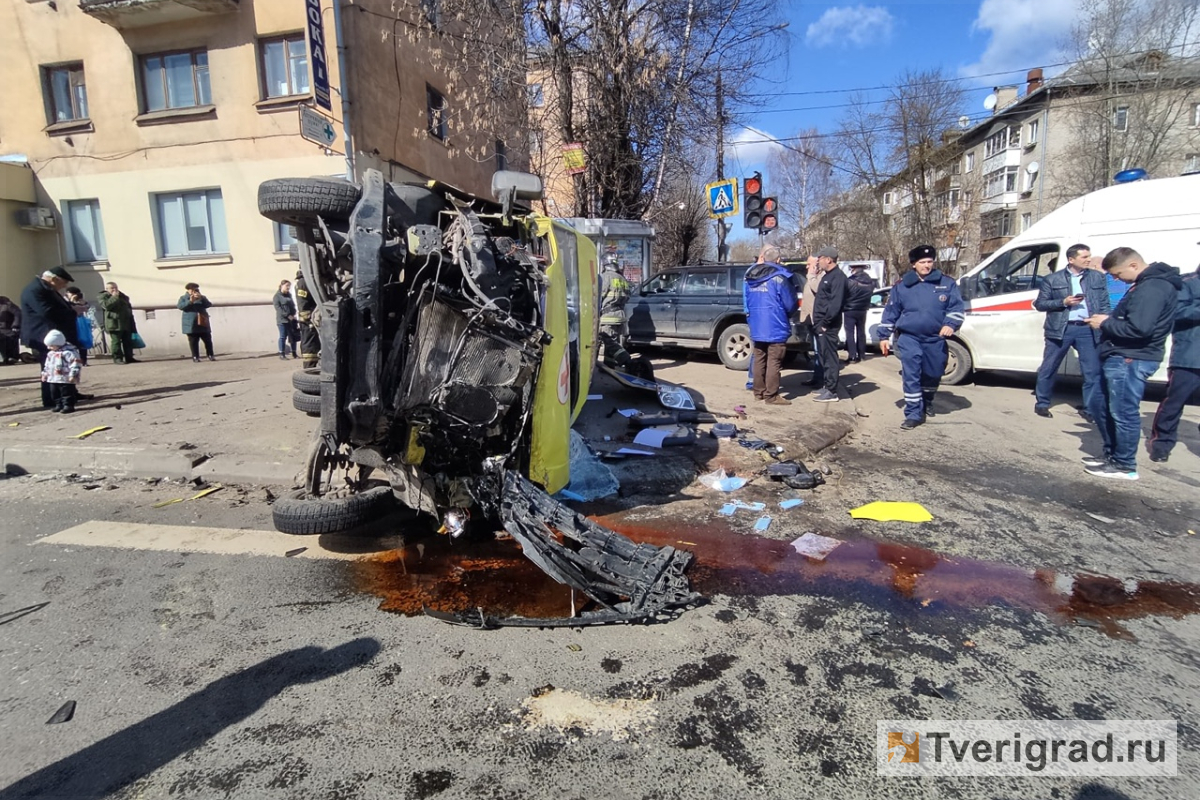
[
  {"x": 310, "y": 341},
  {"x": 924, "y": 309}
]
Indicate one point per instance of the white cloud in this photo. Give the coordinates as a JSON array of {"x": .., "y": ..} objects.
[
  {"x": 859, "y": 26},
  {"x": 1021, "y": 34},
  {"x": 750, "y": 147}
]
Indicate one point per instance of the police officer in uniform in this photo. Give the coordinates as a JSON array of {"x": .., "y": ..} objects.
[{"x": 924, "y": 309}]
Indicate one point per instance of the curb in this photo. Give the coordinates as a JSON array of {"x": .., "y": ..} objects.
[{"x": 141, "y": 462}]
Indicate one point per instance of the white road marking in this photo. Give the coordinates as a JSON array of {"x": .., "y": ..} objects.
[{"x": 190, "y": 539}]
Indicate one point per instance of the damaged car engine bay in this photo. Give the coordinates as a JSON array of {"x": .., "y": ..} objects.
[{"x": 457, "y": 340}]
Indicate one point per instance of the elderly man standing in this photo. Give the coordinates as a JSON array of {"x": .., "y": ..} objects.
[
  {"x": 44, "y": 309},
  {"x": 923, "y": 310},
  {"x": 118, "y": 323},
  {"x": 770, "y": 297},
  {"x": 827, "y": 321},
  {"x": 1068, "y": 297}
]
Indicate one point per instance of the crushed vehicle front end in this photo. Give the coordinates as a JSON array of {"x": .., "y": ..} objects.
[{"x": 457, "y": 345}]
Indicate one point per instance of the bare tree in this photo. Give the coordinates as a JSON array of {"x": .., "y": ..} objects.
[
  {"x": 633, "y": 84},
  {"x": 682, "y": 226},
  {"x": 1130, "y": 93},
  {"x": 803, "y": 174}
]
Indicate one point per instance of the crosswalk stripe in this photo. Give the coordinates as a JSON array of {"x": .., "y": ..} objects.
[{"x": 190, "y": 539}]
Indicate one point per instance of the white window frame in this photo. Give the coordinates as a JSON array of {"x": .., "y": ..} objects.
[
  {"x": 435, "y": 109},
  {"x": 295, "y": 67},
  {"x": 1121, "y": 119},
  {"x": 537, "y": 95},
  {"x": 1191, "y": 163},
  {"x": 889, "y": 198},
  {"x": 1032, "y": 137},
  {"x": 969, "y": 162},
  {"x": 996, "y": 143},
  {"x": 535, "y": 142},
  {"x": 1026, "y": 221},
  {"x": 212, "y": 222},
  {"x": 1000, "y": 181},
  {"x": 90, "y": 207},
  {"x": 1196, "y": 116}
]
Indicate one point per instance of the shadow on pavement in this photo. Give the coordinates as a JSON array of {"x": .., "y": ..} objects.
[{"x": 133, "y": 753}]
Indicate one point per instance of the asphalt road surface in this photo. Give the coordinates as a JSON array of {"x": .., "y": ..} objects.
[{"x": 203, "y": 661}]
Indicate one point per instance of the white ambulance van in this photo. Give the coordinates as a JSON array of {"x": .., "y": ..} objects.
[{"x": 1159, "y": 218}]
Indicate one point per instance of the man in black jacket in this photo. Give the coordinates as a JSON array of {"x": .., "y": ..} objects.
[
  {"x": 859, "y": 288},
  {"x": 1183, "y": 376},
  {"x": 1132, "y": 345},
  {"x": 827, "y": 320},
  {"x": 1069, "y": 297},
  {"x": 44, "y": 309}
]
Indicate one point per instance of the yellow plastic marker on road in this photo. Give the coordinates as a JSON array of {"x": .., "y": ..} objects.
[
  {"x": 882, "y": 511},
  {"x": 90, "y": 431}
]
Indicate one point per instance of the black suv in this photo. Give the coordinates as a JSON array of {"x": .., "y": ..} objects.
[{"x": 700, "y": 308}]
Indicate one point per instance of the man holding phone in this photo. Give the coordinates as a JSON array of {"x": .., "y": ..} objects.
[{"x": 1068, "y": 297}]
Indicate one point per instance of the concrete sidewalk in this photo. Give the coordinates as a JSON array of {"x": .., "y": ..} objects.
[{"x": 230, "y": 420}]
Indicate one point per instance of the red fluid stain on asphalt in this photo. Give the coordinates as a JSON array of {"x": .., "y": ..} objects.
[{"x": 455, "y": 576}]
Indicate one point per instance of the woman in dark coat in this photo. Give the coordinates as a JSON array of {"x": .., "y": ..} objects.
[
  {"x": 195, "y": 321},
  {"x": 285, "y": 318}
]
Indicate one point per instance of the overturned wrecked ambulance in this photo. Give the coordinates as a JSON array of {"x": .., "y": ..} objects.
[{"x": 458, "y": 340}]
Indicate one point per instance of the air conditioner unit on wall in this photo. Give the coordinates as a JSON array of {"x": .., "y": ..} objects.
[{"x": 39, "y": 218}]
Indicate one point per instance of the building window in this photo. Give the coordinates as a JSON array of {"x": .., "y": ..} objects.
[
  {"x": 1192, "y": 164},
  {"x": 537, "y": 98},
  {"x": 432, "y": 11},
  {"x": 66, "y": 92},
  {"x": 436, "y": 106},
  {"x": 889, "y": 198},
  {"x": 1026, "y": 221},
  {"x": 955, "y": 198},
  {"x": 995, "y": 226},
  {"x": 996, "y": 143},
  {"x": 1121, "y": 118},
  {"x": 191, "y": 223},
  {"x": 1000, "y": 181},
  {"x": 175, "y": 80},
  {"x": 1014, "y": 136},
  {"x": 501, "y": 156},
  {"x": 968, "y": 162},
  {"x": 285, "y": 237},
  {"x": 85, "y": 231},
  {"x": 1196, "y": 116},
  {"x": 1033, "y": 131},
  {"x": 1028, "y": 181},
  {"x": 284, "y": 66},
  {"x": 535, "y": 143}
]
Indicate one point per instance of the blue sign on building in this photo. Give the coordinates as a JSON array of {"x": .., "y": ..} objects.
[{"x": 316, "y": 47}]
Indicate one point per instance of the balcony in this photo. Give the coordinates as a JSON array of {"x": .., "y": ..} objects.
[{"x": 125, "y": 14}]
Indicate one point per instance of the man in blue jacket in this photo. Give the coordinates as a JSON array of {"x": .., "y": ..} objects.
[
  {"x": 770, "y": 297},
  {"x": 1069, "y": 297},
  {"x": 923, "y": 310},
  {"x": 1183, "y": 376},
  {"x": 1132, "y": 345}
]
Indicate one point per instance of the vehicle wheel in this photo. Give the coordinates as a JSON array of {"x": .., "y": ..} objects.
[
  {"x": 307, "y": 381},
  {"x": 296, "y": 201},
  {"x": 299, "y": 514},
  {"x": 308, "y": 403},
  {"x": 734, "y": 347},
  {"x": 958, "y": 363}
]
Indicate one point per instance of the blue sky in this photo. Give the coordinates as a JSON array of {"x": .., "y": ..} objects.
[{"x": 838, "y": 47}]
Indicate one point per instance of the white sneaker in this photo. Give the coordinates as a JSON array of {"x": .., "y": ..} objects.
[{"x": 1113, "y": 471}]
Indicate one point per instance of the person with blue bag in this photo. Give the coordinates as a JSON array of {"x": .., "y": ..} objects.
[{"x": 83, "y": 322}]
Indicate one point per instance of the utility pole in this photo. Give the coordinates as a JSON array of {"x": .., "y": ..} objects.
[{"x": 722, "y": 230}]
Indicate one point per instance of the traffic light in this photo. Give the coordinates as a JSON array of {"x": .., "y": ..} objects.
[
  {"x": 752, "y": 203},
  {"x": 770, "y": 215}
]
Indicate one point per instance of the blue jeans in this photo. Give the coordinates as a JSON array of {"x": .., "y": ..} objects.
[
  {"x": 1083, "y": 340},
  {"x": 1124, "y": 381},
  {"x": 286, "y": 334}
]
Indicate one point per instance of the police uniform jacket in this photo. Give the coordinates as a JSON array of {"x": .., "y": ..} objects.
[
  {"x": 921, "y": 307},
  {"x": 1056, "y": 287}
]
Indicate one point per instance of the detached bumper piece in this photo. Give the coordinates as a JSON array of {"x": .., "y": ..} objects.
[{"x": 632, "y": 582}]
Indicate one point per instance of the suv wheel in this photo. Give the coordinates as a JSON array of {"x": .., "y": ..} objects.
[
  {"x": 958, "y": 363},
  {"x": 734, "y": 347}
]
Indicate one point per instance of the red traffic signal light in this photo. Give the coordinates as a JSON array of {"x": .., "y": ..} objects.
[
  {"x": 752, "y": 204},
  {"x": 770, "y": 214}
]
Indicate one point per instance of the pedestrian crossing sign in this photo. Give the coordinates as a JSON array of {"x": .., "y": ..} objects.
[{"x": 722, "y": 198}]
